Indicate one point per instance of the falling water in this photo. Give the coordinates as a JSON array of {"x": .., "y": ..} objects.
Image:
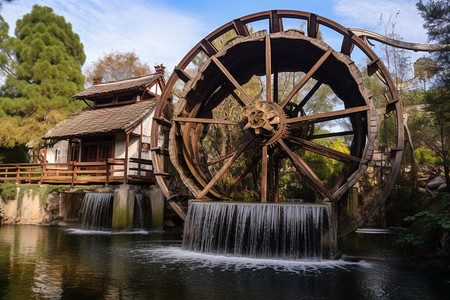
[
  {"x": 96, "y": 211},
  {"x": 139, "y": 220},
  {"x": 282, "y": 231}
]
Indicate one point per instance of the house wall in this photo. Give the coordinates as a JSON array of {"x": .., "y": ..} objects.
[
  {"x": 133, "y": 149},
  {"x": 58, "y": 153}
]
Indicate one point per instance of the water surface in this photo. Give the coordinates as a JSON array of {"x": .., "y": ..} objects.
[{"x": 59, "y": 263}]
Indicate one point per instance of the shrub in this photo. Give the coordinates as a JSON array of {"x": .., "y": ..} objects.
[{"x": 8, "y": 190}]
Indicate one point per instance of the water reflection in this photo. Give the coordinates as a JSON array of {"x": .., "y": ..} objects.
[{"x": 50, "y": 262}]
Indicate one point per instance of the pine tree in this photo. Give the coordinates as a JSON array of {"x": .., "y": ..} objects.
[{"x": 45, "y": 74}]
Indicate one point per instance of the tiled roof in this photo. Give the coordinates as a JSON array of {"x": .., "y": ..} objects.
[
  {"x": 103, "y": 121},
  {"x": 138, "y": 83}
]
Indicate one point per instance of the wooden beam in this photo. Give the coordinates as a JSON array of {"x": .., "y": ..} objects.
[
  {"x": 347, "y": 45},
  {"x": 208, "y": 47},
  {"x": 307, "y": 77},
  {"x": 230, "y": 77},
  {"x": 307, "y": 97},
  {"x": 322, "y": 150},
  {"x": 333, "y": 115},
  {"x": 313, "y": 26},
  {"x": 224, "y": 168},
  {"x": 303, "y": 168},
  {"x": 276, "y": 22},
  {"x": 264, "y": 174},
  {"x": 268, "y": 69},
  {"x": 241, "y": 28},
  {"x": 205, "y": 121},
  {"x": 182, "y": 74}
]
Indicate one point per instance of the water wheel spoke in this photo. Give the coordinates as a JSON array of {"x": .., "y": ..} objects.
[
  {"x": 268, "y": 69},
  {"x": 205, "y": 121},
  {"x": 322, "y": 150},
  {"x": 306, "y": 99},
  {"x": 241, "y": 178},
  {"x": 328, "y": 116},
  {"x": 264, "y": 174},
  {"x": 332, "y": 134},
  {"x": 311, "y": 178},
  {"x": 219, "y": 159},
  {"x": 306, "y": 77},
  {"x": 247, "y": 99},
  {"x": 224, "y": 168}
]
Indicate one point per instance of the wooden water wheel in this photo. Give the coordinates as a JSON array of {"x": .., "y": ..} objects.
[{"x": 256, "y": 110}]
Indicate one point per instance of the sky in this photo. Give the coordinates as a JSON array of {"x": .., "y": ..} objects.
[{"x": 163, "y": 31}]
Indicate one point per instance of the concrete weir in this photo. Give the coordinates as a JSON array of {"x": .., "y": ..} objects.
[{"x": 69, "y": 206}]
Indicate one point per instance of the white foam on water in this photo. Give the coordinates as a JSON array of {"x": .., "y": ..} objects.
[
  {"x": 176, "y": 255},
  {"x": 105, "y": 232}
]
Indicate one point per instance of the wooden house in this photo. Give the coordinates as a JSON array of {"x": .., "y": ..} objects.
[{"x": 111, "y": 141}]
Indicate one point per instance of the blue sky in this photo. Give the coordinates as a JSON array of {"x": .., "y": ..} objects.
[{"x": 163, "y": 31}]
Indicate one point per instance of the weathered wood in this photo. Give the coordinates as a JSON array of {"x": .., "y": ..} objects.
[
  {"x": 306, "y": 77},
  {"x": 208, "y": 47},
  {"x": 307, "y": 97},
  {"x": 224, "y": 168},
  {"x": 268, "y": 69},
  {"x": 333, "y": 115},
  {"x": 264, "y": 174},
  {"x": 248, "y": 99},
  {"x": 322, "y": 150},
  {"x": 313, "y": 26},
  {"x": 275, "y": 22},
  {"x": 303, "y": 168},
  {"x": 241, "y": 28},
  {"x": 182, "y": 74},
  {"x": 205, "y": 121}
]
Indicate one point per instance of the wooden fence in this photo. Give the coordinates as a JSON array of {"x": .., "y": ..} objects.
[{"x": 135, "y": 170}]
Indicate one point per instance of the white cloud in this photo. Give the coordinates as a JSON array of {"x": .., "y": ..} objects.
[
  {"x": 157, "y": 33},
  {"x": 366, "y": 14}
]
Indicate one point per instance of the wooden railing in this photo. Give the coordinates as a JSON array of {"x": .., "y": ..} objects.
[{"x": 104, "y": 172}]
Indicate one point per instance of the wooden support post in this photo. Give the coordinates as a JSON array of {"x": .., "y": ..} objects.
[
  {"x": 264, "y": 175},
  {"x": 276, "y": 185},
  {"x": 125, "y": 163}
]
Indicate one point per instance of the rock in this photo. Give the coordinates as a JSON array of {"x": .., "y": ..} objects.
[
  {"x": 436, "y": 182},
  {"x": 442, "y": 188},
  {"x": 17, "y": 220},
  {"x": 47, "y": 219},
  {"x": 59, "y": 218}
]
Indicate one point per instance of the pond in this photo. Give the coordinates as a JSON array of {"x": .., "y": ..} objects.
[{"x": 39, "y": 262}]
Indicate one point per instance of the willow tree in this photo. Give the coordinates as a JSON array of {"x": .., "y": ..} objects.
[{"x": 45, "y": 73}]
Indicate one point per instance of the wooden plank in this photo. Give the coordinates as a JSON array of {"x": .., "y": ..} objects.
[
  {"x": 347, "y": 45},
  {"x": 307, "y": 77},
  {"x": 332, "y": 134},
  {"x": 219, "y": 159},
  {"x": 182, "y": 74},
  {"x": 208, "y": 47},
  {"x": 264, "y": 174},
  {"x": 372, "y": 66},
  {"x": 162, "y": 121},
  {"x": 241, "y": 28},
  {"x": 275, "y": 22},
  {"x": 268, "y": 69},
  {"x": 313, "y": 26}
]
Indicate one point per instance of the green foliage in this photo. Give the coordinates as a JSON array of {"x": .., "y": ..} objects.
[
  {"x": 427, "y": 231},
  {"x": 427, "y": 155},
  {"x": 436, "y": 15},
  {"x": 37, "y": 94},
  {"x": 16, "y": 154},
  {"x": 8, "y": 190}
]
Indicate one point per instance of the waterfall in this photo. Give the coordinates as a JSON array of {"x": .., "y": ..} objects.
[
  {"x": 139, "y": 209},
  {"x": 280, "y": 231},
  {"x": 96, "y": 211}
]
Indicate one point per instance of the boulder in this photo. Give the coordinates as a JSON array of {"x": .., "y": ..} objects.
[
  {"x": 442, "y": 188},
  {"x": 436, "y": 182}
]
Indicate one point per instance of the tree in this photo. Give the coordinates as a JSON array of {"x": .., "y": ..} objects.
[
  {"x": 45, "y": 73},
  {"x": 117, "y": 66},
  {"x": 437, "y": 23},
  {"x": 425, "y": 68}
]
